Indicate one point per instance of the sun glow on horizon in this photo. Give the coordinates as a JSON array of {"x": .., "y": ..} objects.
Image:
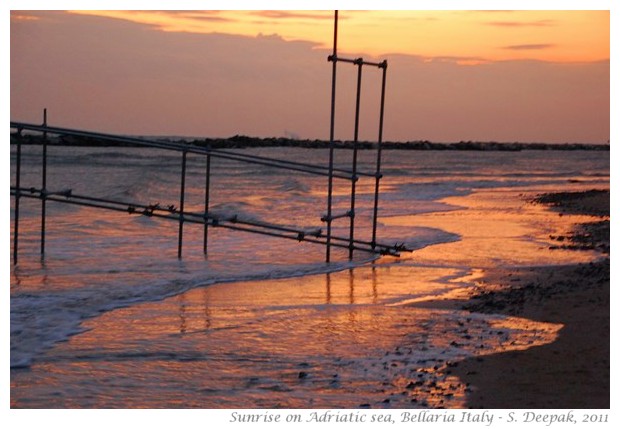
[{"x": 466, "y": 37}]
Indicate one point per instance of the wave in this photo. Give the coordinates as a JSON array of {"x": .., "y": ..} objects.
[{"x": 59, "y": 314}]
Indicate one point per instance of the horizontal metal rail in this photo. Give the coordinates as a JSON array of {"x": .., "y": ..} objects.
[
  {"x": 184, "y": 147},
  {"x": 349, "y": 173},
  {"x": 327, "y": 218},
  {"x": 230, "y": 222},
  {"x": 357, "y": 61}
]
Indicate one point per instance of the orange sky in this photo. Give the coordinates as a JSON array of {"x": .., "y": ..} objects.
[
  {"x": 530, "y": 76},
  {"x": 475, "y": 36}
]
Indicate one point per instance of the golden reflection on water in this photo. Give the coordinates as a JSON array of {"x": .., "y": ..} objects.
[
  {"x": 497, "y": 227},
  {"x": 259, "y": 344},
  {"x": 342, "y": 339}
]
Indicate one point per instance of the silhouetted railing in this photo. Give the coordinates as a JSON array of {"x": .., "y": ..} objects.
[
  {"x": 178, "y": 213},
  {"x": 207, "y": 218}
]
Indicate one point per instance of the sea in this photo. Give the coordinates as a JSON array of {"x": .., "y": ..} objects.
[{"x": 112, "y": 318}]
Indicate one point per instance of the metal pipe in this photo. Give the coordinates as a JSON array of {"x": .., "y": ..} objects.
[
  {"x": 330, "y": 184},
  {"x": 152, "y": 209},
  {"x": 86, "y": 203},
  {"x": 354, "y": 162},
  {"x": 299, "y": 232},
  {"x": 131, "y": 206},
  {"x": 251, "y": 159},
  {"x": 292, "y": 237},
  {"x": 378, "y": 169},
  {"x": 182, "y": 203},
  {"x": 278, "y": 163},
  {"x": 302, "y": 164},
  {"x": 43, "y": 184},
  {"x": 233, "y": 223},
  {"x": 207, "y": 196},
  {"x": 199, "y": 218},
  {"x": 334, "y": 217},
  {"x": 18, "y": 161},
  {"x": 360, "y": 61}
]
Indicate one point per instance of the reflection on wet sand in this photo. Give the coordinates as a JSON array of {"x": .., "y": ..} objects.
[
  {"x": 188, "y": 317},
  {"x": 342, "y": 339},
  {"x": 258, "y": 344}
]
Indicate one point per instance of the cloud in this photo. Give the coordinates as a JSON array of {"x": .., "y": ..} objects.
[
  {"x": 279, "y": 14},
  {"x": 529, "y": 47},
  {"x": 22, "y": 16},
  {"x": 518, "y": 24},
  {"x": 166, "y": 20},
  {"x": 461, "y": 60},
  {"x": 198, "y": 15}
]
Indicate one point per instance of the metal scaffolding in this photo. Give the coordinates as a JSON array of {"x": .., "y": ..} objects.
[
  {"x": 206, "y": 217},
  {"x": 359, "y": 62}
]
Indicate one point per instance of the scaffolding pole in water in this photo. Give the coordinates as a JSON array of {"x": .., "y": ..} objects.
[
  {"x": 309, "y": 234},
  {"x": 354, "y": 161},
  {"x": 332, "y": 125},
  {"x": 44, "y": 185},
  {"x": 205, "y": 231},
  {"x": 18, "y": 164},
  {"x": 377, "y": 175},
  {"x": 182, "y": 203}
]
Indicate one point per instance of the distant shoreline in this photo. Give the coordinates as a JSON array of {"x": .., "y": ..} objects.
[{"x": 245, "y": 142}]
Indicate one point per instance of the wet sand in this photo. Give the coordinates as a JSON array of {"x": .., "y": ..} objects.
[{"x": 573, "y": 371}]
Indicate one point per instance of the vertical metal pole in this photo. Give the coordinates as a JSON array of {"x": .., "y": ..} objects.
[
  {"x": 182, "y": 203},
  {"x": 18, "y": 161},
  {"x": 44, "y": 184},
  {"x": 207, "y": 192},
  {"x": 354, "y": 162},
  {"x": 330, "y": 179},
  {"x": 378, "y": 170}
]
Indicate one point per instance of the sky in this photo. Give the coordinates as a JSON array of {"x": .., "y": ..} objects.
[{"x": 453, "y": 75}]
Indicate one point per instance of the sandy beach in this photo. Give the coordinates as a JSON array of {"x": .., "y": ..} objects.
[{"x": 573, "y": 371}]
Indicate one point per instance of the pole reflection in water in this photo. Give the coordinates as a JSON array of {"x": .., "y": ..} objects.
[
  {"x": 260, "y": 344},
  {"x": 182, "y": 316},
  {"x": 375, "y": 294},
  {"x": 207, "y": 311},
  {"x": 351, "y": 287},
  {"x": 328, "y": 288}
]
